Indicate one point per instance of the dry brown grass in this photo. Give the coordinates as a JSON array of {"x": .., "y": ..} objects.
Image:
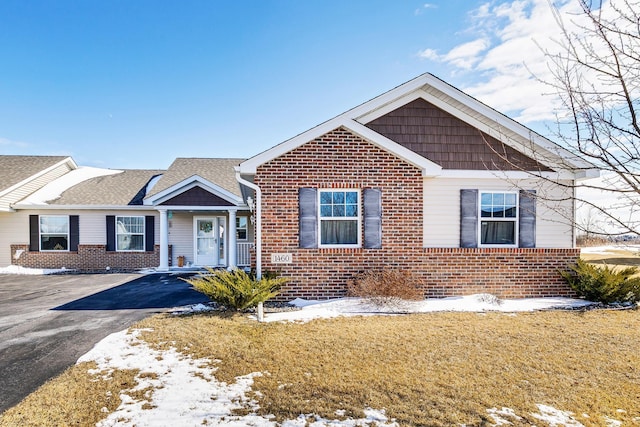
[
  {"x": 436, "y": 369},
  {"x": 614, "y": 257},
  {"x": 75, "y": 398}
]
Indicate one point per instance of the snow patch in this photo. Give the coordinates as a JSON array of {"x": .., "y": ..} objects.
[
  {"x": 500, "y": 416},
  {"x": 16, "y": 269},
  {"x": 312, "y": 309},
  {"x": 555, "y": 417},
  {"x": 184, "y": 391}
]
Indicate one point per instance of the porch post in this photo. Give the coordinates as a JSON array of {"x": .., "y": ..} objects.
[
  {"x": 232, "y": 239},
  {"x": 164, "y": 241}
]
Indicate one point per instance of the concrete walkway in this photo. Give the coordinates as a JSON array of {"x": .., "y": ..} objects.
[{"x": 48, "y": 322}]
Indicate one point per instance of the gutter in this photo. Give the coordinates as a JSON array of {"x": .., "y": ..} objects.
[{"x": 258, "y": 215}]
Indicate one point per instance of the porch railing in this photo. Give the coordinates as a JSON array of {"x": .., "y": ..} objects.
[{"x": 243, "y": 254}]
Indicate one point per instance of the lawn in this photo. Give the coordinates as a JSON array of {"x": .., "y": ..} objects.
[
  {"x": 435, "y": 369},
  {"x": 612, "y": 256}
]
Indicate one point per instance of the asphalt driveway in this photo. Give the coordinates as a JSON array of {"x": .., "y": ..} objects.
[{"x": 48, "y": 322}]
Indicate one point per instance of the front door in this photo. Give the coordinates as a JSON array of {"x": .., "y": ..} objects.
[{"x": 210, "y": 241}]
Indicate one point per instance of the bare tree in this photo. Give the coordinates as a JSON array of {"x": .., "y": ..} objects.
[{"x": 595, "y": 72}]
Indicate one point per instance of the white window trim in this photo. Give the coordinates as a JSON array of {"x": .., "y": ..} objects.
[
  {"x": 515, "y": 220},
  {"x": 246, "y": 239},
  {"x": 40, "y": 233},
  {"x": 144, "y": 233},
  {"x": 359, "y": 218}
]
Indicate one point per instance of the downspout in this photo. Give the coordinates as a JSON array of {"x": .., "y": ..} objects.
[{"x": 258, "y": 214}]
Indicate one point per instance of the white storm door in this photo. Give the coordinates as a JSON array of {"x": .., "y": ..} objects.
[{"x": 209, "y": 241}]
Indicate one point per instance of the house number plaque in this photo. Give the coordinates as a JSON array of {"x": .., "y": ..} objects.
[{"x": 281, "y": 258}]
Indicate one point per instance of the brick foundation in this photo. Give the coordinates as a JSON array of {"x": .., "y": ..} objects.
[
  {"x": 341, "y": 159},
  {"x": 87, "y": 258}
]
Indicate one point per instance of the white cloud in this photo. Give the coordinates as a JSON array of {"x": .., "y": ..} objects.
[
  {"x": 429, "y": 54},
  {"x": 506, "y": 50},
  {"x": 464, "y": 56},
  {"x": 420, "y": 10},
  {"x": 5, "y": 142},
  {"x": 467, "y": 54}
]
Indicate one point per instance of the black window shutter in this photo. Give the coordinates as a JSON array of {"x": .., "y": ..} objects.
[
  {"x": 468, "y": 218},
  {"x": 372, "y": 218},
  {"x": 34, "y": 233},
  {"x": 149, "y": 233},
  {"x": 111, "y": 233},
  {"x": 527, "y": 224},
  {"x": 308, "y": 217},
  {"x": 74, "y": 232}
]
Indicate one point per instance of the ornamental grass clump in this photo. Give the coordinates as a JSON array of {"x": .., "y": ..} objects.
[
  {"x": 387, "y": 287},
  {"x": 604, "y": 284},
  {"x": 236, "y": 289}
]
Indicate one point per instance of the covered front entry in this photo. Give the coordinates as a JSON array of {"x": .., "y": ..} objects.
[
  {"x": 199, "y": 221},
  {"x": 209, "y": 241}
]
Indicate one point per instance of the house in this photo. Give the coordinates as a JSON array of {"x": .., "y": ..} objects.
[
  {"x": 95, "y": 219},
  {"x": 423, "y": 177}
]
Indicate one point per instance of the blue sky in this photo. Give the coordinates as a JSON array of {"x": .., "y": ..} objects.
[{"x": 134, "y": 84}]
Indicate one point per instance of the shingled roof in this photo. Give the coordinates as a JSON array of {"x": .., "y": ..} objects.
[
  {"x": 121, "y": 189},
  {"x": 15, "y": 169},
  {"x": 218, "y": 171}
]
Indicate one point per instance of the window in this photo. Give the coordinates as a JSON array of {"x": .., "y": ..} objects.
[
  {"x": 130, "y": 233},
  {"x": 498, "y": 218},
  {"x": 54, "y": 233},
  {"x": 241, "y": 228},
  {"x": 339, "y": 218}
]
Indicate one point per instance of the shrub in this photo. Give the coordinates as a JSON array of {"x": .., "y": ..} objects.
[
  {"x": 236, "y": 289},
  {"x": 386, "y": 287},
  {"x": 603, "y": 284}
]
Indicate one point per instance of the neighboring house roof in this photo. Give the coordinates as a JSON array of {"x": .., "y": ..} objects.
[
  {"x": 361, "y": 120},
  {"x": 217, "y": 171},
  {"x": 21, "y": 176},
  {"x": 126, "y": 187},
  {"x": 16, "y": 169}
]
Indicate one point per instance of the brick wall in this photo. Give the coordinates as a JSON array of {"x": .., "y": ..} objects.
[
  {"x": 341, "y": 159},
  {"x": 87, "y": 258}
]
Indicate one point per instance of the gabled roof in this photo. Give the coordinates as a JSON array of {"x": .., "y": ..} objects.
[
  {"x": 18, "y": 170},
  {"x": 454, "y": 102},
  {"x": 219, "y": 172},
  {"x": 126, "y": 187},
  {"x": 14, "y": 169}
]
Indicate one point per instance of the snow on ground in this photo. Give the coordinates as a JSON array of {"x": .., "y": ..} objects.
[
  {"x": 16, "y": 269},
  {"x": 475, "y": 303},
  {"x": 186, "y": 392},
  {"x": 212, "y": 402}
]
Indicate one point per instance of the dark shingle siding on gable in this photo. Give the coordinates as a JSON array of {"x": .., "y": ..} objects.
[
  {"x": 447, "y": 140},
  {"x": 197, "y": 196}
]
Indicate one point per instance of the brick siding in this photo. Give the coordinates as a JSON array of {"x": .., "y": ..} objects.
[
  {"x": 340, "y": 159},
  {"x": 87, "y": 258}
]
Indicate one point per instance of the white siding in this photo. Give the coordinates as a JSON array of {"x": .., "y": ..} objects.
[
  {"x": 93, "y": 224},
  {"x": 32, "y": 186},
  {"x": 442, "y": 210},
  {"x": 181, "y": 236},
  {"x": 14, "y": 227}
]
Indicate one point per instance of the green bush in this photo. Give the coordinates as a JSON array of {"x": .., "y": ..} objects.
[
  {"x": 386, "y": 287},
  {"x": 603, "y": 284},
  {"x": 236, "y": 289}
]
